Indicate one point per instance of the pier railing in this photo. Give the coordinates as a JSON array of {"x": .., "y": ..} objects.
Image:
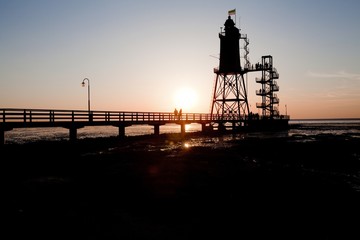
[
  {"x": 11, "y": 118},
  {"x": 12, "y": 115}
]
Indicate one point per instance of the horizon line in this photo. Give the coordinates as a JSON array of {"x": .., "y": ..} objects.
[{"x": 321, "y": 119}]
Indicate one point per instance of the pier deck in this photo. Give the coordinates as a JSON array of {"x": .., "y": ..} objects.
[{"x": 11, "y": 118}]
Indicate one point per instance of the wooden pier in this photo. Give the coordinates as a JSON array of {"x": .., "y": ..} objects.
[{"x": 11, "y": 118}]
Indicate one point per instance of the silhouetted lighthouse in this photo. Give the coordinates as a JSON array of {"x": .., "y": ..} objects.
[
  {"x": 229, "y": 48},
  {"x": 230, "y": 97},
  {"x": 229, "y": 103}
]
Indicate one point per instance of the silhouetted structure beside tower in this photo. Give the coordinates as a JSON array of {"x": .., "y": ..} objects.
[{"x": 230, "y": 97}]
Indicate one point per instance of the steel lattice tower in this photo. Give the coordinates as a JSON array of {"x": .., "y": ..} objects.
[{"x": 230, "y": 103}]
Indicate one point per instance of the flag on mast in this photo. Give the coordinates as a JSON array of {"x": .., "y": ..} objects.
[{"x": 232, "y": 12}]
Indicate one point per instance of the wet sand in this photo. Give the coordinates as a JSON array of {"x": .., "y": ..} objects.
[{"x": 136, "y": 189}]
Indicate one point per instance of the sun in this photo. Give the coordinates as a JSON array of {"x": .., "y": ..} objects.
[{"x": 185, "y": 99}]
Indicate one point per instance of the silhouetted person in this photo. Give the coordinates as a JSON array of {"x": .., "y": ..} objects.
[
  {"x": 180, "y": 112},
  {"x": 175, "y": 113}
]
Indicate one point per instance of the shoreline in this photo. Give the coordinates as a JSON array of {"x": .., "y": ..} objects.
[{"x": 101, "y": 188}]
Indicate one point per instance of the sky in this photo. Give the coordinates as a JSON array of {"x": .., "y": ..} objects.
[{"x": 144, "y": 55}]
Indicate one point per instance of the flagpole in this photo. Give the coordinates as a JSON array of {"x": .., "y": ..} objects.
[
  {"x": 235, "y": 17},
  {"x": 233, "y": 12}
]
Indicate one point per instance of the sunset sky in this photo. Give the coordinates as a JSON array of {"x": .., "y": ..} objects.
[{"x": 144, "y": 55}]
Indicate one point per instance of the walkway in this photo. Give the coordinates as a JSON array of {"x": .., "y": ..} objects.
[{"x": 11, "y": 118}]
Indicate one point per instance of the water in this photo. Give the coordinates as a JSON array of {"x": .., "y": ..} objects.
[
  {"x": 309, "y": 129},
  {"x": 25, "y": 135},
  {"x": 300, "y": 130}
]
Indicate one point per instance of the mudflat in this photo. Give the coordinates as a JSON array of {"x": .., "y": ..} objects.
[{"x": 158, "y": 187}]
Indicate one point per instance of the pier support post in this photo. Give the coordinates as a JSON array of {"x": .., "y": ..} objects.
[
  {"x": 121, "y": 127},
  {"x": 233, "y": 126},
  {"x": 73, "y": 134},
  {"x": 73, "y": 130},
  {"x": 156, "y": 129},
  {"x": 182, "y": 129},
  {"x": 221, "y": 127},
  {"x": 121, "y": 131},
  {"x": 2, "y": 137},
  {"x": 205, "y": 128},
  {"x": 3, "y": 129}
]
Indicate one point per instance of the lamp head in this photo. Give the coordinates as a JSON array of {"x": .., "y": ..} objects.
[{"x": 83, "y": 84}]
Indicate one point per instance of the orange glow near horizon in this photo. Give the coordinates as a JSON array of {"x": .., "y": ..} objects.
[{"x": 185, "y": 99}]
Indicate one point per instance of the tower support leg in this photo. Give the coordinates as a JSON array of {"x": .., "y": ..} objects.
[{"x": 229, "y": 98}]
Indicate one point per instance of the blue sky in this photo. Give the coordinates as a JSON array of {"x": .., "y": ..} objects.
[{"x": 139, "y": 54}]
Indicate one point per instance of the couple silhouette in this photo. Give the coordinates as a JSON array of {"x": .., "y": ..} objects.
[{"x": 177, "y": 114}]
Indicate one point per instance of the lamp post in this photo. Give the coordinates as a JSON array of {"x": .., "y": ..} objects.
[{"x": 83, "y": 84}]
